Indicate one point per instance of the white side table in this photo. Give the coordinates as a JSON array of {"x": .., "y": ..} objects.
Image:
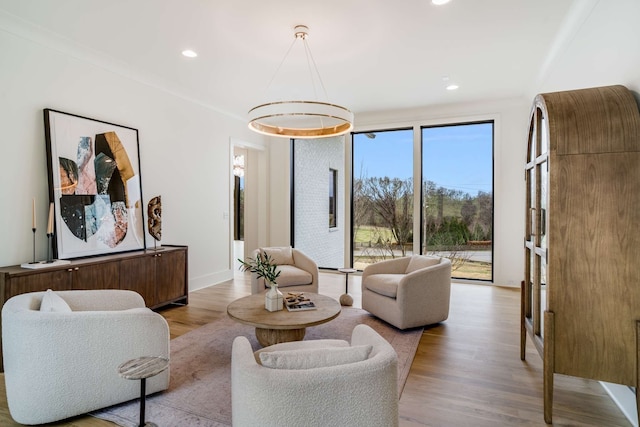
[
  {"x": 141, "y": 369},
  {"x": 346, "y": 299}
]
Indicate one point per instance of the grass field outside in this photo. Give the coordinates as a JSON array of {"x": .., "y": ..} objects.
[
  {"x": 473, "y": 270},
  {"x": 368, "y": 252},
  {"x": 368, "y": 234}
]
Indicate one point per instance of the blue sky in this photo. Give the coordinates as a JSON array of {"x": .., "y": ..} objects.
[{"x": 456, "y": 157}]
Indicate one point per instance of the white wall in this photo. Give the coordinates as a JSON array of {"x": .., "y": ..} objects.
[
  {"x": 184, "y": 148},
  {"x": 599, "y": 47},
  {"x": 279, "y": 199}
]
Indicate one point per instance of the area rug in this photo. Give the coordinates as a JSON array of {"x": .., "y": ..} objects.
[{"x": 199, "y": 392}]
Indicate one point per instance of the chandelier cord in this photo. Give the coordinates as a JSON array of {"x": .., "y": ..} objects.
[
  {"x": 311, "y": 65},
  {"x": 286, "y": 55},
  {"x": 311, "y": 60}
]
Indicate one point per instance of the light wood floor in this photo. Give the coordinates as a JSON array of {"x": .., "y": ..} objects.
[{"x": 467, "y": 370}]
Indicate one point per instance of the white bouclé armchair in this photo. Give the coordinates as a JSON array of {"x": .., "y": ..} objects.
[
  {"x": 63, "y": 363},
  {"x": 298, "y": 272},
  {"x": 315, "y": 390},
  {"x": 408, "y": 292}
]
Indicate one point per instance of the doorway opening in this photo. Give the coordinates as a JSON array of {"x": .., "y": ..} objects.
[{"x": 238, "y": 205}]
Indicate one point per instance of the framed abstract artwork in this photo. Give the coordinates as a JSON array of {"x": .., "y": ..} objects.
[{"x": 94, "y": 185}]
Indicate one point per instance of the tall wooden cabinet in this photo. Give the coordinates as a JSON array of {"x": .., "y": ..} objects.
[{"x": 581, "y": 293}]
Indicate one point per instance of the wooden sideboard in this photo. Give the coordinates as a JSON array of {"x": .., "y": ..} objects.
[{"x": 160, "y": 276}]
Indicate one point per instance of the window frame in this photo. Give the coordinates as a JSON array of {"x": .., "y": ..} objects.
[
  {"x": 418, "y": 176},
  {"x": 493, "y": 149},
  {"x": 333, "y": 198}
]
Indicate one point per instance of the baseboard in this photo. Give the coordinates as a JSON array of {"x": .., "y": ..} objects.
[
  {"x": 625, "y": 398},
  {"x": 209, "y": 279}
]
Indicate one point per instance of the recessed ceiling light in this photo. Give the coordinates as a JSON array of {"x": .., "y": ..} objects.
[
  {"x": 189, "y": 53},
  {"x": 439, "y": 2},
  {"x": 452, "y": 87}
]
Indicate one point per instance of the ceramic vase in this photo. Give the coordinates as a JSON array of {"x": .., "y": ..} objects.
[{"x": 273, "y": 300}]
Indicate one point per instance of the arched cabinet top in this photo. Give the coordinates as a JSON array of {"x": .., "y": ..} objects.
[{"x": 595, "y": 120}]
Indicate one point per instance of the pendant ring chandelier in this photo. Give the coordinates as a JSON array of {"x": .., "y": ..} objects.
[{"x": 301, "y": 119}]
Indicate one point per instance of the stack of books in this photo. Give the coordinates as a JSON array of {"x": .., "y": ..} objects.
[{"x": 296, "y": 301}]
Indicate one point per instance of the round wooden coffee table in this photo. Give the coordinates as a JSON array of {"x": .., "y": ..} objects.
[{"x": 273, "y": 327}]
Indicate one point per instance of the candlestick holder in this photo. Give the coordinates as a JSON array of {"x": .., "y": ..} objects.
[
  {"x": 49, "y": 248},
  {"x": 49, "y": 262},
  {"x": 34, "y": 246}
]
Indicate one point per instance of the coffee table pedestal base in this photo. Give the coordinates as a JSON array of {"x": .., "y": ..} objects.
[{"x": 267, "y": 337}]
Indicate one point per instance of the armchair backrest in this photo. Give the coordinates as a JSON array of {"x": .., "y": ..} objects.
[
  {"x": 405, "y": 265},
  {"x": 418, "y": 262}
]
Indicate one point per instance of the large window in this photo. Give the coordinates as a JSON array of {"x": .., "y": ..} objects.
[
  {"x": 382, "y": 208},
  {"x": 457, "y": 197},
  {"x": 422, "y": 190},
  {"x": 453, "y": 209}
]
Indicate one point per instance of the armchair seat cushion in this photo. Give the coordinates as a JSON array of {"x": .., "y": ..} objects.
[
  {"x": 314, "y": 357},
  {"x": 384, "y": 284},
  {"x": 290, "y": 275},
  {"x": 301, "y": 345}
]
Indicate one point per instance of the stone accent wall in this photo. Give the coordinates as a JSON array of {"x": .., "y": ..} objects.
[{"x": 312, "y": 235}]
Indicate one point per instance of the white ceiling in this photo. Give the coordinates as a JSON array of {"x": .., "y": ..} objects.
[{"x": 372, "y": 55}]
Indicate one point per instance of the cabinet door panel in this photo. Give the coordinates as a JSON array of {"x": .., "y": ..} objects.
[
  {"x": 57, "y": 280},
  {"x": 97, "y": 276},
  {"x": 170, "y": 268},
  {"x": 138, "y": 274}
]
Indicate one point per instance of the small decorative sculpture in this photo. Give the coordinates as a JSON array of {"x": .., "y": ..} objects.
[{"x": 154, "y": 212}]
